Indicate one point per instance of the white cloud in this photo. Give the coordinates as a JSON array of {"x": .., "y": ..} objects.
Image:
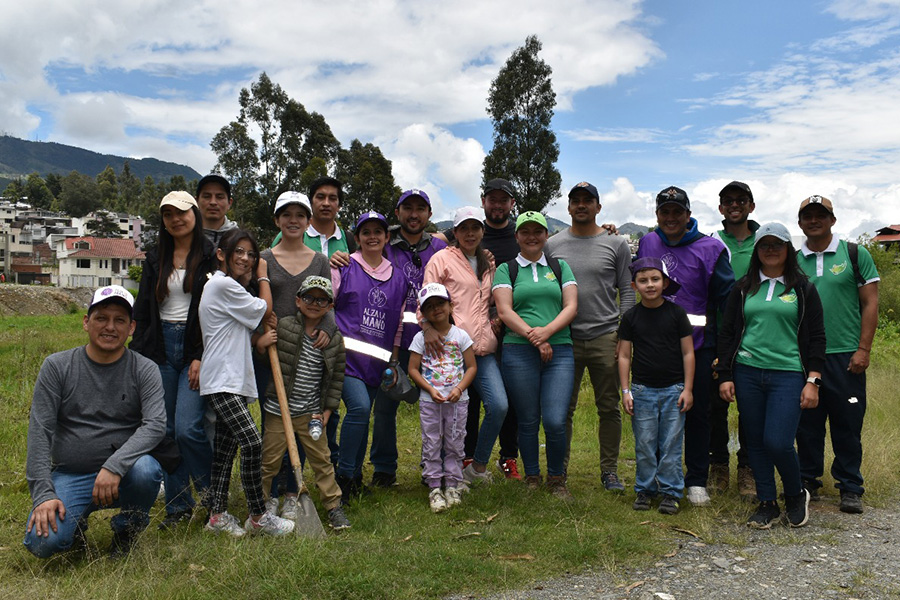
[{"x": 617, "y": 135}]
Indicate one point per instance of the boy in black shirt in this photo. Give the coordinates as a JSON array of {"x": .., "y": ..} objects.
[{"x": 660, "y": 393}]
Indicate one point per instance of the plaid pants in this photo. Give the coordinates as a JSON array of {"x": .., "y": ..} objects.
[{"x": 235, "y": 428}]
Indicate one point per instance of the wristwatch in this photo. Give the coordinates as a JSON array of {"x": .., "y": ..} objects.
[{"x": 815, "y": 381}]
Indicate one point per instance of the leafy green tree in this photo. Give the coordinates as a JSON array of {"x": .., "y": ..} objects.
[
  {"x": 104, "y": 225},
  {"x": 39, "y": 195},
  {"x": 108, "y": 189},
  {"x": 129, "y": 189},
  {"x": 79, "y": 194},
  {"x": 525, "y": 151},
  {"x": 368, "y": 181},
  {"x": 15, "y": 191},
  {"x": 54, "y": 183}
]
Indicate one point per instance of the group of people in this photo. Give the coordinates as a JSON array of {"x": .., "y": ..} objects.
[{"x": 492, "y": 313}]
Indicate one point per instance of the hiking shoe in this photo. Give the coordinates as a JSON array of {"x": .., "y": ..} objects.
[
  {"x": 796, "y": 509},
  {"x": 642, "y": 502},
  {"x": 851, "y": 503},
  {"x": 557, "y": 486},
  {"x": 289, "y": 509},
  {"x": 510, "y": 468},
  {"x": 269, "y": 524},
  {"x": 453, "y": 496},
  {"x": 668, "y": 505},
  {"x": 122, "y": 543},
  {"x": 173, "y": 520},
  {"x": 719, "y": 477},
  {"x": 383, "y": 480},
  {"x": 533, "y": 481},
  {"x": 436, "y": 500},
  {"x": 697, "y": 495},
  {"x": 611, "y": 482},
  {"x": 766, "y": 514},
  {"x": 746, "y": 484},
  {"x": 471, "y": 476},
  {"x": 225, "y": 522},
  {"x": 338, "y": 519}
]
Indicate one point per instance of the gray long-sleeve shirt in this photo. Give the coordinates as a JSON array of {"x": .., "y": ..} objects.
[
  {"x": 86, "y": 416},
  {"x": 600, "y": 264}
]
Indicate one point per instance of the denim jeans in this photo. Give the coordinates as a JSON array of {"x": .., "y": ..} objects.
[
  {"x": 359, "y": 399},
  {"x": 185, "y": 414},
  {"x": 658, "y": 427},
  {"x": 540, "y": 392},
  {"x": 769, "y": 403},
  {"x": 137, "y": 493},
  {"x": 492, "y": 392}
]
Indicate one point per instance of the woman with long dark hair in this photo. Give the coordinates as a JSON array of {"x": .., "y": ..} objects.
[
  {"x": 167, "y": 331},
  {"x": 771, "y": 355}
]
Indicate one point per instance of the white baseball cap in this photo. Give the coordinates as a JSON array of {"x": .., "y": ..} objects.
[
  {"x": 291, "y": 197},
  {"x": 112, "y": 293},
  {"x": 179, "y": 199},
  {"x": 432, "y": 290},
  {"x": 466, "y": 213}
]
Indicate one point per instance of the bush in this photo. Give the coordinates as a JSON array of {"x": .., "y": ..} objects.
[{"x": 887, "y": 261}]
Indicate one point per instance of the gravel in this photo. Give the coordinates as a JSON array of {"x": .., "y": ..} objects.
[{"x": 835, "y": 556}]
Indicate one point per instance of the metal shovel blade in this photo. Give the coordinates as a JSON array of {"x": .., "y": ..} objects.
[{"x": 308, "y": 523}]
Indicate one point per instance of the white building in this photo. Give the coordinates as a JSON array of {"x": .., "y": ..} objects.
[{"x": 94, "y": 262}]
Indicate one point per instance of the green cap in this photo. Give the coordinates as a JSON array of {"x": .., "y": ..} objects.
[{"x": 531, "y": 217}]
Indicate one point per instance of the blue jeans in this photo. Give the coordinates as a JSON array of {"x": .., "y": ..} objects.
[
  {"x": 540, "y": 391},
  {"x": 769, "y": 404},
  {"x": 489, "y": 384},
  {"x": 658, "y": 427},
  {"x": 185, "y": 411},
  {"x": 359, "y": 399},
  {"x": 137, "y": 493}
]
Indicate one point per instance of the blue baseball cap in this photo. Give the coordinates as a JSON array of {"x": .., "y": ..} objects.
[
  {"x": 411, "y": 193},
  {"x": 652, "y": 262},
  {"x": 370, "y": 216}
]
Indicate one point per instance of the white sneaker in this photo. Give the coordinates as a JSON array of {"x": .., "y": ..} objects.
[
  {"x": 269, "y": 524},
  {"x": 471, "y": 476},
  {"x": 225, "y": 522},
  {"x": 289, "y": 508},
  {"x": 437, "y": 501},
  {"x": 453, "y": 496},
  {"x": 697, "y": 495},
  {"x": 272, "y": 505}
]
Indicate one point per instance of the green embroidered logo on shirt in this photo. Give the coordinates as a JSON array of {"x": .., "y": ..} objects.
[
  {"x": 790, "y": 298},
  {"x": 838, "y": 269}
]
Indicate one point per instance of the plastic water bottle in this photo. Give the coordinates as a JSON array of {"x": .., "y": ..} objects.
[
  {"x": 387, "y": 379},
  {"x": 315, "y": 428}
]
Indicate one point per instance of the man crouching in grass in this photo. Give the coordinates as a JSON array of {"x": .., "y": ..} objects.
[{"x": 96, "y": 415}]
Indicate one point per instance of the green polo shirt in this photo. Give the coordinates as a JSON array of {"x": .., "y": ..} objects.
[
  {"x": 771, "y": 320},
  {"x": 832, "y": 273},
  {"x": 537, "y": 297},
  {"x": 739, "y": 251}
]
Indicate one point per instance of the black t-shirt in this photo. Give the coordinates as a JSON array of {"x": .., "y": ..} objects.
[
  {"x": 499, "y": 242},
  {"x": 655, "y": 335}
]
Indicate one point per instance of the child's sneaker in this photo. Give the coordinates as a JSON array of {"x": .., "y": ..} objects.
[
  {"x": 272, "y": 505},
  {"x": 338, "y": 519},
  {"x": 437, "y": 501},
  {"x": 453, "y": 496},
  {"x": 509, "y": 467},
  {"x": 642, "y": 502},
  {"x": 289, "y": 508},
  {"x": 766, "y": 514},
  {"x": 668, "y": 505},
  {"x": 471, "y": 476},
  {"x": 225, "y": 522},
  {"x": 269, "y": 524}
]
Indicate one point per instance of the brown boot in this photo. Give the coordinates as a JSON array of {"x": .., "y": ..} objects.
[
  {"x": 557, "y": 486},
  {"x": 719, "y": 477},
  {"x": 746, "y": 484},
  {"x": 533, "y": 481}
]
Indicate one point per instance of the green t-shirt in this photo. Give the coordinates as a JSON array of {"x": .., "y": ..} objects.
[
  {"x": 537, "y": 298},
  {"x": 771, "y": 320},
  {"x": 832, "y": 273},
  {"x": 739, "y": 251}
]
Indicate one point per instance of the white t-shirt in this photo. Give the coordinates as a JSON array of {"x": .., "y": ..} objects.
[
  {"x": 228, "y": 315},
  {"x": 445, "y": 370},
  {"x": 176, "y": 305}
]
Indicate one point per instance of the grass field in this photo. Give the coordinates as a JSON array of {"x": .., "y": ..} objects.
[{"x": 501, "y": 537}]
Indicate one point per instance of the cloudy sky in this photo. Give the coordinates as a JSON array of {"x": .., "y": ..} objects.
[{"x": 794, "y": 97}]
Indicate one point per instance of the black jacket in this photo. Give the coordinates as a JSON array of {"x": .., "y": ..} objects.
[
  {"x": 148, "y": 339},
  {"x": 810, "y": 333}
]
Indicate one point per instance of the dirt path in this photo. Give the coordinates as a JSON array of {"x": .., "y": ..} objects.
[{"x": 40, "y": 300}]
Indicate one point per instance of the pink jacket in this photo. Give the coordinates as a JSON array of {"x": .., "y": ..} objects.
[{"x": 470, "y": 298}]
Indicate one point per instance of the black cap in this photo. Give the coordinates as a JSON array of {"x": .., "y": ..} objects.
[
  {"x": 214, "y": 178},
  {"x": 738, "y": 185},
  {"x": 584, "y": 185},
  {"x": 673, "y": 195},
  {"x": 499, "y": 184},
  {"x": 325, "y": 180}
]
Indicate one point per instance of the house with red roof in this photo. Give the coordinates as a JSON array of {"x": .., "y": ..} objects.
[
  {"x": 93, "y": 262},
  {"x": 888, "y": 236}
]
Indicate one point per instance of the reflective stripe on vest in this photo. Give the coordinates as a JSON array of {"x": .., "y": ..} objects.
[
  {"x": 367, "y": 349},
  {"x": 410, "y": 317},
  {"x": 697, "y": 320}
]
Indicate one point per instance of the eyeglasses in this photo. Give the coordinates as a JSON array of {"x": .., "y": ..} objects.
[
  {"x": 770, "y": 246},
  {"x": 742, "y": 201},
  {"x": 317, "y": 300},
  {"x": 241, "y": 253}
]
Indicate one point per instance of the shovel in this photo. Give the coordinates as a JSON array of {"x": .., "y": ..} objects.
[{"x": 308, "y": 523}]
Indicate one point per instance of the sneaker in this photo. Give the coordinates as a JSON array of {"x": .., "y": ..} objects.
[
  {"x": 436, "y": 500},
  {"x": 697, "y": 495},
  {"x": 383, "y": 480},
  {"x": 611, "y": 482},
  {"x": 746, "y": 484},
  {"x": 719, "y": 477},
  {"x": 533, "y": 481},
  {"x": 289, "y": 509},
  {"x": 269, "y": 524},
  {"x": 851, "y": 503},
  {"x": 766, "y": 514},
  {"x": 510, "y": 468},
  {"x": 453, "y": 496},
  {"x": 796, "y": 509},
  {"x": 642, "y": 502},
  {"x": 668, "y": 505},
  {"x": 338, "y": 519},
  {"x": 122, "y": 543},
  {"x": 471, "y": 476},
  {"x": 272, "y": 505},
  {"x": 173, "y": 520},
  {"x": 557, "y": 486},
  {"x": 225, "y": 522}
]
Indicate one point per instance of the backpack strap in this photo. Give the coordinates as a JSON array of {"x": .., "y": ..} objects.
[
  {"x": 853, "y": 251},
  {"x": 552, "y": 262}
]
